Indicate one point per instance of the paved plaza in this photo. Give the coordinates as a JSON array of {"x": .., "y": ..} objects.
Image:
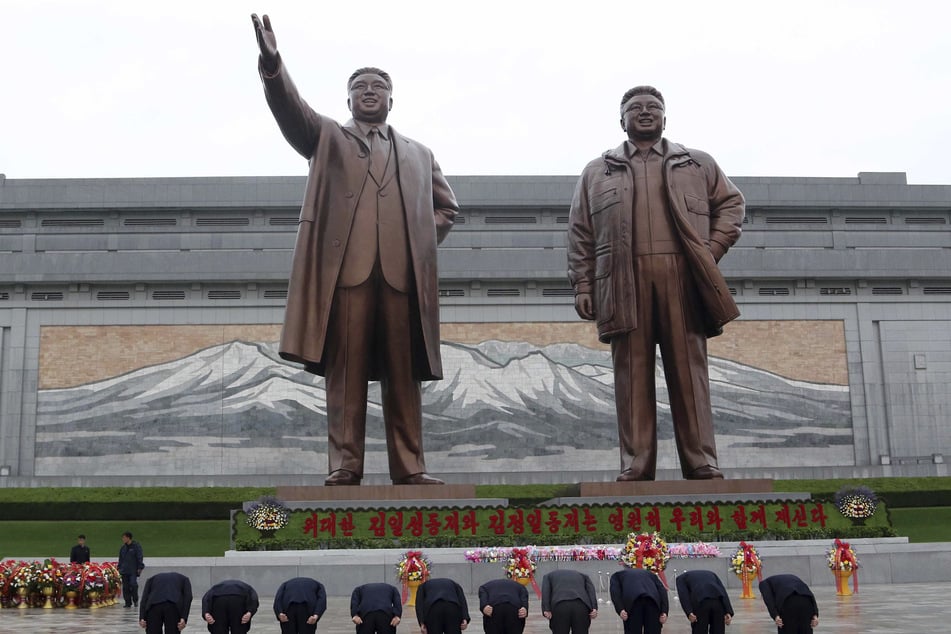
[{"x": 904, "y": 608}]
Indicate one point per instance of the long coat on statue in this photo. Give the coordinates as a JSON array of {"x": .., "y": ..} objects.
[{"x": 338, "y": 172}]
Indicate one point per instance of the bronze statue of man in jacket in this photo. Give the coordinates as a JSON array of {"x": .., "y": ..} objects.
[
  {"x": 362, "y": 302},
  {"x": 649, "y": 221}
]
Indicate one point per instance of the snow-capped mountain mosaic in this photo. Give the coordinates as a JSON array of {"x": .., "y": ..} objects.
[{"x": 502, "y": 406}]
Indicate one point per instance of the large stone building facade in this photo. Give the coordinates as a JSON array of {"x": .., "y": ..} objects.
[{"x": 138, "y": 321}]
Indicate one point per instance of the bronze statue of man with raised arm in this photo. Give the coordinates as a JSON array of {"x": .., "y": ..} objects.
[{"x": 362, "y": 303}]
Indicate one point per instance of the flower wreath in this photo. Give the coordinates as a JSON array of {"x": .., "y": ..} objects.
[
  {"x": 413, "y": 567},
  {"x": 648, "y": 551},
  {"x": 842, "y": 557},
  {"x": 521, "y": 566}
]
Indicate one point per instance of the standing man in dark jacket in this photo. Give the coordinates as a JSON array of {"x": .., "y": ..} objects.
[
  {"x": 649, "y": 221},
  {"x": 79, "y": 554},
  {"x": 640, "y": 599},
  {"x": 791, "y": 604},
  {"x": 441, "y": 607},
  {"x": 504, "y": 606},
  {"x": 569, "y": 601},
  {"x": 376, "y": 608},
  {"x": 166, "y": 600},
  {"x": 705, "y": 601},
  {"x": 299, "y": 604},
  {"x": 362, "y": 301},
  {"x": 130, "y": 567},
  {"x": 228, "y": 606}
]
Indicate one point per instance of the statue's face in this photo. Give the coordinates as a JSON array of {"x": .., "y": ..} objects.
[
  {"x": 642, "y": 116},
  {"x": 369, "y": 99}
]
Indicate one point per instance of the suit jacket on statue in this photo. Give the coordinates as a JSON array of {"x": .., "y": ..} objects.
[
  {"x": 339, "y": 171},
  {"x": 707, "y": 212}
]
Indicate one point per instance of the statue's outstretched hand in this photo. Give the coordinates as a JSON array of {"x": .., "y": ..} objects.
[{"x": 267, "y": 42}]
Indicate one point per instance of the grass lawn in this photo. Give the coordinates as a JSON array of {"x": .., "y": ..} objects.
[
  {"x": 38, "y": 540},
  {"x": 923, "y": 524}
]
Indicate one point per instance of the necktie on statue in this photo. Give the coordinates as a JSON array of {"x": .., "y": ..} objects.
[{"x": 377, "y": 155}]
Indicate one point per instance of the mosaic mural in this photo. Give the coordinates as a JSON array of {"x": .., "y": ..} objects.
[{"x": 504, "y": 405}]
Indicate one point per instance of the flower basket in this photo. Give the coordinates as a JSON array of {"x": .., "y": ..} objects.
[
  {"x": 520, "y": 567},
  {"x": 746, "y": 564},
  {"x": 844, "y": 564},
  {"x": 412, "y": 571},
  {"x": 647, "y": 551}
]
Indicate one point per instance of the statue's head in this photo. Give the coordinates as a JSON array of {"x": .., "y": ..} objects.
[
  {"x": 370, "y": 92},
  {"x": 642, "y": 113}
]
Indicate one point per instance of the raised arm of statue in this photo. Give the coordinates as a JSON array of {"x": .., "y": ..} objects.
[{"x": 267, "y": 42}]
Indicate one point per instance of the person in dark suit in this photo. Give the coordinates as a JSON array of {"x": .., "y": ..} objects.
[
  {"x": 130, "y": 565},
  {"x": 441, "y": 607},
  {"x": 640, "y": 599},
  {"x": 228, "y": 606},
  {"x": 504, "y": 606},
  {"x": 362, "y": 302},
  {"x": 705, "y": 601},
  {"x": 791, "y": 604},
  {"x": 166, "y": 600},
  {"x": 376, "y": 608},
  {"x": 299, "y": 604},
  {"x": 569, "y": 601},
  {"x": 79, "y": 554}
]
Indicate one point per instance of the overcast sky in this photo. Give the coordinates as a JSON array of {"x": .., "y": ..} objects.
[{"x": 131, "y": 89}]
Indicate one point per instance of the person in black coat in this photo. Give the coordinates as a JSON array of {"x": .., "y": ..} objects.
[
  {"x": 228, "y": 606},
  {"x": 130, "y": 566},
  {"x": 569, "y": 601},
  {"x": 791, "y": 604},
  {"x": 504, "y": 606},
  {"x": 441, "y": 607},
  {"x": 166, "y": 600},
  {"x": 79, "y": 554},
  {"x": 640, "y": 599},
  {"x": 376, "y": 608},
  {"x": 705, "y": 601},
  {"x": 299, "y": 604}
]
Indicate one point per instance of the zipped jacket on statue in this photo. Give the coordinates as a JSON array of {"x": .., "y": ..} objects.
[{"x": 707, "y": 212}]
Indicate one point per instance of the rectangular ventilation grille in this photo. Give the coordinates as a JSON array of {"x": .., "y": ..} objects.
[
  {"x": 284, "y": 221},
  {"x": 10, "y": 223},
  {"x": 72, "y": 222},
  {"x": 835, "y": 290},
  {"x": 866, "y": 220},
  {"x": 112, "y": 296},
  {"x": 149, "y": 222},
  {"x": 460, "y": 220},
  {"x": 928, "y": 220},
  {"x": 222, "y": 222},
  {"x": 773, "y": 290},
  {"x": 797, "y": 220},
  {"x": 558, "y": 292},
  {"x": 46, "y": 296},
  {"x": 561, "y": 220},
  {"x": 887, "y": 290},
  {"x": 4, "y": 296},
  {"x": 225, "y": 294},
  {"x": 732, "y": 290},
  {"x": 936, "y": 290},
  {"x": 503, "y": 292},
  {"x": 452, "y": 292},
  {"x": 163, "y": 295},
  {"x": 275, "y": 294},
  {"x": 511, "y": 220}
]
